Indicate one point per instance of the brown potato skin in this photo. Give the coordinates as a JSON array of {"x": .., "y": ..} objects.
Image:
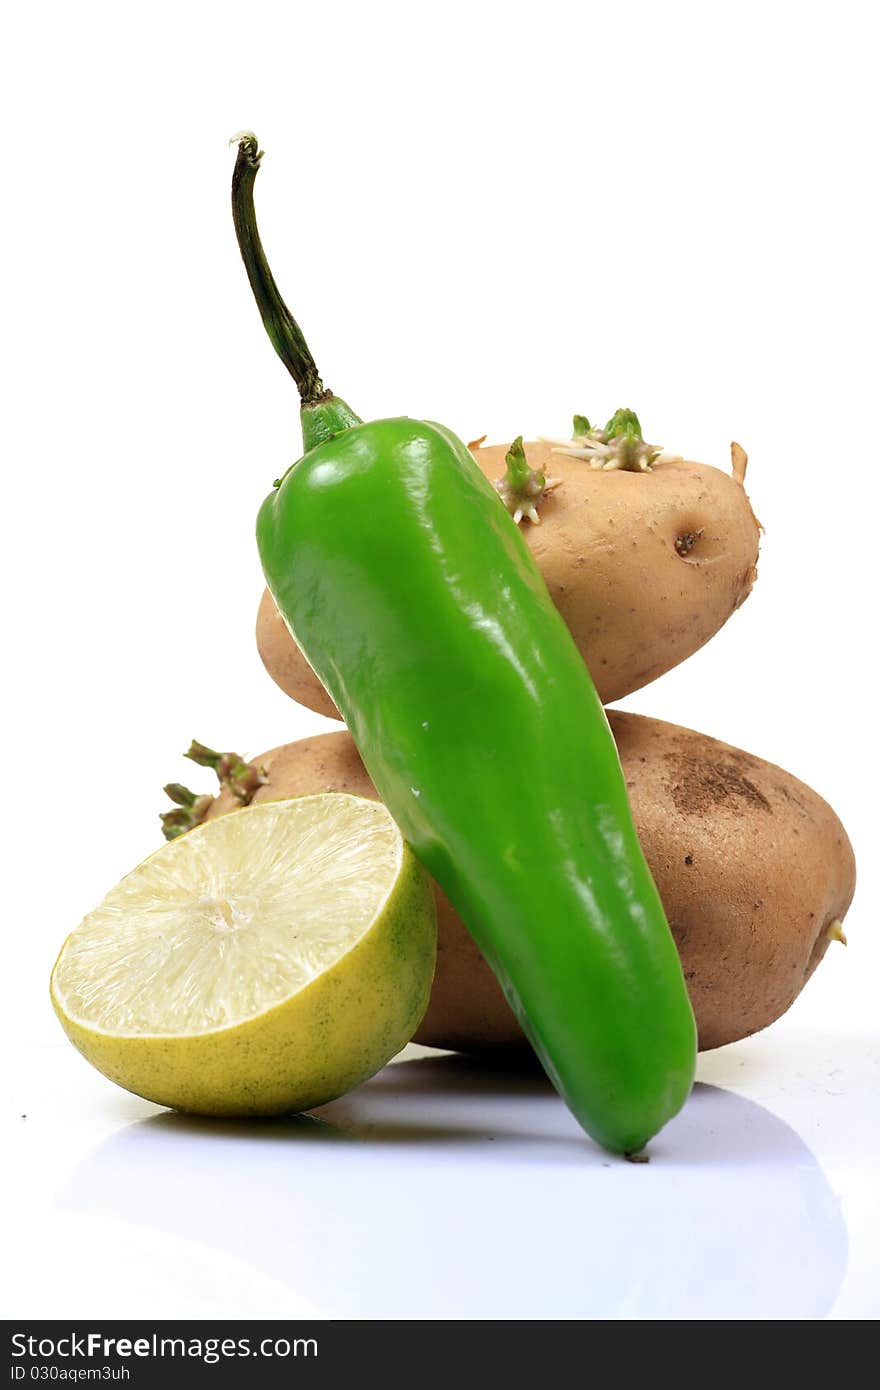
[
  {"x": 285, "y": 662},
  {"x": 606, "y": 548},
  {"x": 751, "y": 865}
]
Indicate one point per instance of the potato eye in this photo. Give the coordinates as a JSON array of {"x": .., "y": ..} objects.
[{"x": 685, "y": 543}]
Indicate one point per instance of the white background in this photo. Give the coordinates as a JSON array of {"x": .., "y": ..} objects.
[{"x": 491, "y": 215}]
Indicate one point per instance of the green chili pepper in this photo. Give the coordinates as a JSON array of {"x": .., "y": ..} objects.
[{"x": 416, "y": 600}]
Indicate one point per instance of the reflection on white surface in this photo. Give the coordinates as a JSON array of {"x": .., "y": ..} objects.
[{"x": 447, "y": 1189}]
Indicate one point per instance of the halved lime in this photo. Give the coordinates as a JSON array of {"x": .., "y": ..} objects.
[{"x": 263, "y": 963}]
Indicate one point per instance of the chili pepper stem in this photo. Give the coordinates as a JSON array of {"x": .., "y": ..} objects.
[
  {"x": 282, "y": 328},
  {"x": 323, "y": 414}
]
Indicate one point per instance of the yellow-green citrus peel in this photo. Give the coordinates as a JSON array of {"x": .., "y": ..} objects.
[{"x": 261, "y": 964}]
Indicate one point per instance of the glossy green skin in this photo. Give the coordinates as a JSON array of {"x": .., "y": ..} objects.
[{"x": 416, "y": 600}]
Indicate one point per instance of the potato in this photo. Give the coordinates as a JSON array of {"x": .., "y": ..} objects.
[
  {"x": 752, "y": 866},
  {"x": 644, "y": 567},
  {"x": 285, "y": 662}
]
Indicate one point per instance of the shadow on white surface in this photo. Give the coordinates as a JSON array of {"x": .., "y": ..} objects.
[{"x": 446, "y": 1188}]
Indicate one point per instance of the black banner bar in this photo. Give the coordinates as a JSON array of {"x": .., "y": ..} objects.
[{"x": 144, "y": 1354}]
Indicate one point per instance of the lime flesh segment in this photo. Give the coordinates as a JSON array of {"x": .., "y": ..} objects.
[
  {"x": 264, "y": 962},
  {"x": 224, "y": 923}
]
